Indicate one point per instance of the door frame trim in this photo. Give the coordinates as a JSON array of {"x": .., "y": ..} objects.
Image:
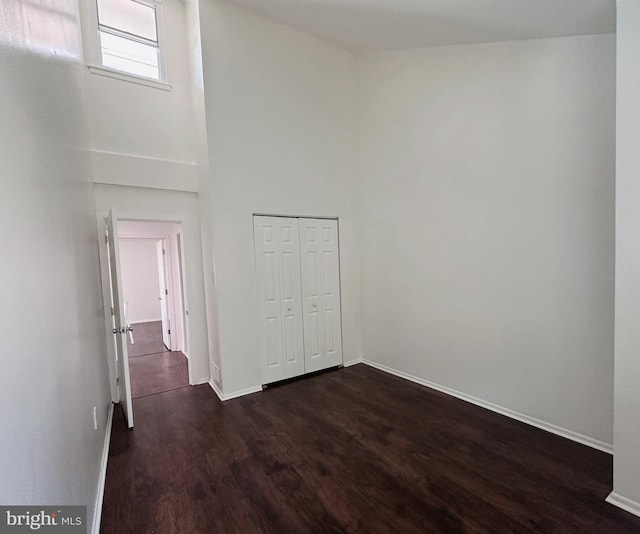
[{"x": 325, "y": 217}]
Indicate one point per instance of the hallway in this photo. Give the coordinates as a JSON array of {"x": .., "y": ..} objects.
[{"x": 154, "y": 368}]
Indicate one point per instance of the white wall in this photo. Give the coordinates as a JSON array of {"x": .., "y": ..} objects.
[
  {"x": 171, "y": 206},
  {"x": 194, "y": 35},
  {"x": 487, "y": 207},
  {"x": 54, "y": 362},
  {"x": 280, "y": 109},
  {"x": 140, "y": 281},
  {"x": 142, "y": 135},
  {"x": 626, "y": 462}
]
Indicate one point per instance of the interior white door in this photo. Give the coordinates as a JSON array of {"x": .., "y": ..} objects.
[
  {"x": 277, "y": 253},
  {"x": 162, "y": 282},
  {"x": 120, "y": 329},
  {"x": 320, "y": 293}
]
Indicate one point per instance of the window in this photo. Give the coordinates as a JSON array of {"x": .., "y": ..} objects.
[{"x": 128, "y": 32}]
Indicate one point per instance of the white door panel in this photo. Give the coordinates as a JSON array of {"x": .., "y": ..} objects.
[
  {"x": 321, "y": 293},
  {"x": 277, "y": 254},
  {"x": 162, "y": 284},
  {"x": 122, "y": 354}
]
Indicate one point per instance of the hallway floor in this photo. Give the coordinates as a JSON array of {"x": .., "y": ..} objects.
[
  {"x": 352, "y": 450},
  {"x": 152, "y": 367}
]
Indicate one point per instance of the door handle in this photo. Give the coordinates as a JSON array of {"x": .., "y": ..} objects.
[{"x": 123, "y": 330}]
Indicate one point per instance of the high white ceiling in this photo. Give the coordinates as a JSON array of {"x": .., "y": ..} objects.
[{"x": 365, "y": 25}]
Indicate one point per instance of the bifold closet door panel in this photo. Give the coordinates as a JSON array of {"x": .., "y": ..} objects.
[
  {"x": 320, "y": 293},
  {"x": 277, "y": 251}
]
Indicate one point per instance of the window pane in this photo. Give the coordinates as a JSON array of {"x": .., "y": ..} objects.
[
  {"x": 129, "y": 56},
  {"x": 129, "y": 16}
]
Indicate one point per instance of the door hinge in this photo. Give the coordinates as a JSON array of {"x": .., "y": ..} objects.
[
  {"x": 113, "y": 312},
  {"x": 118, "y": 381},
  {"x": 169, "y": 331},
  {"x": 166, "y": 291},
  {"x": 164, "y": 252},
  {"x": 106, "y": 239}
]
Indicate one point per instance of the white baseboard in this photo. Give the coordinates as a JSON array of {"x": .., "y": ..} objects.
[
  {"x": 97, "y": 511},
  {"x": 352, "y": 362},
  {"x": 549, "y": 427},
  {"x": 235, "y": 394},
  {"x": 215, "y": 388},
  {"x": 622, "y": 502}
]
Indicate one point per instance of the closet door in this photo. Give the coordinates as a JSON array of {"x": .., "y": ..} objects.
[
  {"x": 320, "y": 293},
  {"x": 277, "y": 250}
]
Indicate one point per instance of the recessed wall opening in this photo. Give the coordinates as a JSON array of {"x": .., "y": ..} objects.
[{"x": 152, "y": 290}]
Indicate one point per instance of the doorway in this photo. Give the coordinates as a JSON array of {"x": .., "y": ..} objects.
[
  {"x": 145, "y": 308},
  {"x": 153, "y": 306}
]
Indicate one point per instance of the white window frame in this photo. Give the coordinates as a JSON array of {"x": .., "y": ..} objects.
[{"x": 94, "y": 56}]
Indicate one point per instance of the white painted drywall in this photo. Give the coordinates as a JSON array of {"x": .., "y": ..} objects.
[
  {"x": 171, "y": 206},
  {"x": 140, "y": 281},
  {"x": 201, "y": 146},
  {"x": 487, "y": 220},
  {"x": 626, "y": 439},
  {"x": 141, "y": 135},
  {"x": 280, "y": 119},
  {"x": 54, "y": 355}
]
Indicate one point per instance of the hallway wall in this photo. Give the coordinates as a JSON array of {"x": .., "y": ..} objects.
[
  {"x": 53, "y": 350},
  {"x": 140, "y": 280}
]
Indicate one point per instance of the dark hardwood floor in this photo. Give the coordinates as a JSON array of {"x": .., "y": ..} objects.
[
  {"x": 153, "y": 368},
  {"x": 352, "y": 450},
  {"x": 147, "y": 338},
  {"x": 156, "y": 373}
]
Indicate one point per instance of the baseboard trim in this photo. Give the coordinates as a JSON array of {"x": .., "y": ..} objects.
[
  {"x": 235, "y": 394},
  {"x": 352, "y": 362},
  {"x": 543, "y": 425},
  {"x": 242, "y": 393},
  {"x": 217, "y": 391},
  {"x": 626, "y": 504},
  {"x": 97, "y": 511}
]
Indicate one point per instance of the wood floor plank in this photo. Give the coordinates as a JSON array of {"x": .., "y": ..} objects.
[
  {"x": 353, "y": 450},
  {"x": 156, "y": 373},
  {"x": 153, "y": 368},
  {"x": 147, "y": 339}
]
